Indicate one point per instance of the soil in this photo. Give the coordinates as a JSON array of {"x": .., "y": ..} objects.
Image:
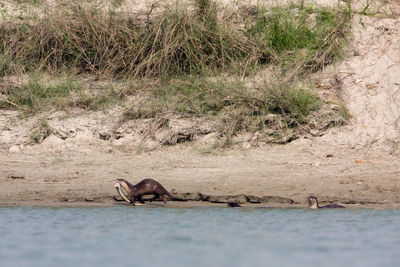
[{"x": 358, "y": 165}]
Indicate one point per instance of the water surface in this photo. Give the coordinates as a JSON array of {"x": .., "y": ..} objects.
[{"x": 124, "y": 236}]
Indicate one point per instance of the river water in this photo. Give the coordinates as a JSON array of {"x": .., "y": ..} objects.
[{"x": 125, "y": 236}]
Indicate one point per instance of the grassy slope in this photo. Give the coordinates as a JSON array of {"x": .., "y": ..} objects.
[{"x": 192, "y": 60}]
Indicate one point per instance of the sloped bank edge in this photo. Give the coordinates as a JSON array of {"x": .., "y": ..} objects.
[{"x": 195, "y": 200}]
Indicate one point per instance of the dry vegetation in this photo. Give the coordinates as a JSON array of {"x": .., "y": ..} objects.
[{"x": 191, "y": 60}]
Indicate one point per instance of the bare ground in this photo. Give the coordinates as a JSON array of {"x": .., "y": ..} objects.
[
  {"x": 357, "y": 164},
  {"x": 293, "y": 171}
]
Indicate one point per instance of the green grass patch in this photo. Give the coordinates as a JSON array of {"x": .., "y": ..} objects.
[
  {"x": 227, "y": 100},
  {"x": 301, "y": 38},
  {"x": 41, "y": 92},
  {"x": 38, "y": 94},
  {"x": 31, "y": 2}
]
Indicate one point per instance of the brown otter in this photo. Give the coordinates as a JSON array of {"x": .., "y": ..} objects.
[
  {"x": 313, "y": 204},
  {"x": 144, "y": 187},
  {"x": 233, "y": 205}
]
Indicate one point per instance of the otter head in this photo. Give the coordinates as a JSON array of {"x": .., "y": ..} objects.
[
  {"x": 312, "y": 202},
  {"x": 121, "y": 185}
]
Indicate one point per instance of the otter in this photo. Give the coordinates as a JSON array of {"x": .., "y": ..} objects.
[
  {"x": 233, "y": 205},
  {"x": 313, "y": 204},
  {"x": 144, "y": 187}
]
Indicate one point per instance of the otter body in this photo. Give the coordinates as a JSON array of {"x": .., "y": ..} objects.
[
  {"x": 233, "y": 205},
  {"x": 313, "y": 204},
  {"x": 144, "y": 187},
  {"x": 331, "y": 206}
]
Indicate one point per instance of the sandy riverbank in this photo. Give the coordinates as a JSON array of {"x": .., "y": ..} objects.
[{"x": 283, "y": 175}]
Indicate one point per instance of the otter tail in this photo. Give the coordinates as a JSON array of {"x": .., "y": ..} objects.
[{"x": 171, "y": 196}]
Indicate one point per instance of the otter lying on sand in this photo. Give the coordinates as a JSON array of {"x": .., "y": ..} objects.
[
  {"x": 144, "y": 187},
  {"x": 313, "y": 204}
]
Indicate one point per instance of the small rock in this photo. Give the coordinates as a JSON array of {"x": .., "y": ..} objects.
[
  {"x": 246, "y": 145},
  {"x": 208, "y": 139},
  {"x": 253, "y": 199},
  {"x": 53, "y": 142},
  {"x": 14, "y": 149},
  {"x": 329, "y": 156},
  {"x": 89, "y": 199},
  {"x": 104, "y": 136},
  {"x": 17, "y": 177}
]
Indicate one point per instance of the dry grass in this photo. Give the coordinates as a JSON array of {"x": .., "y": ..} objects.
[
  {"x": 176, "y": 48},
  {"x": 173, "y": 41}
]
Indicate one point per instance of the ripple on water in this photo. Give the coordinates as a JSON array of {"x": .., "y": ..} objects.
[{"x": 123, "y": 236}]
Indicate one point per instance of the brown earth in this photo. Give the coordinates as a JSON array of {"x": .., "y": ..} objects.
[{"x": 357, "y": 164}]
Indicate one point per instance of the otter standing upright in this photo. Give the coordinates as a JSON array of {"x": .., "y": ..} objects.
[{"x": 144, "y": 187}]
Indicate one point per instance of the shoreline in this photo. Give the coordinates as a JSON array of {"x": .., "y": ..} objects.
[{"x": 184, "y": 205}]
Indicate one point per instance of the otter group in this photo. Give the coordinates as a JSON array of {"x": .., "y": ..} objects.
[
  {"x": 132, "y": 193},
  {"x": 312, "y": 204}
]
